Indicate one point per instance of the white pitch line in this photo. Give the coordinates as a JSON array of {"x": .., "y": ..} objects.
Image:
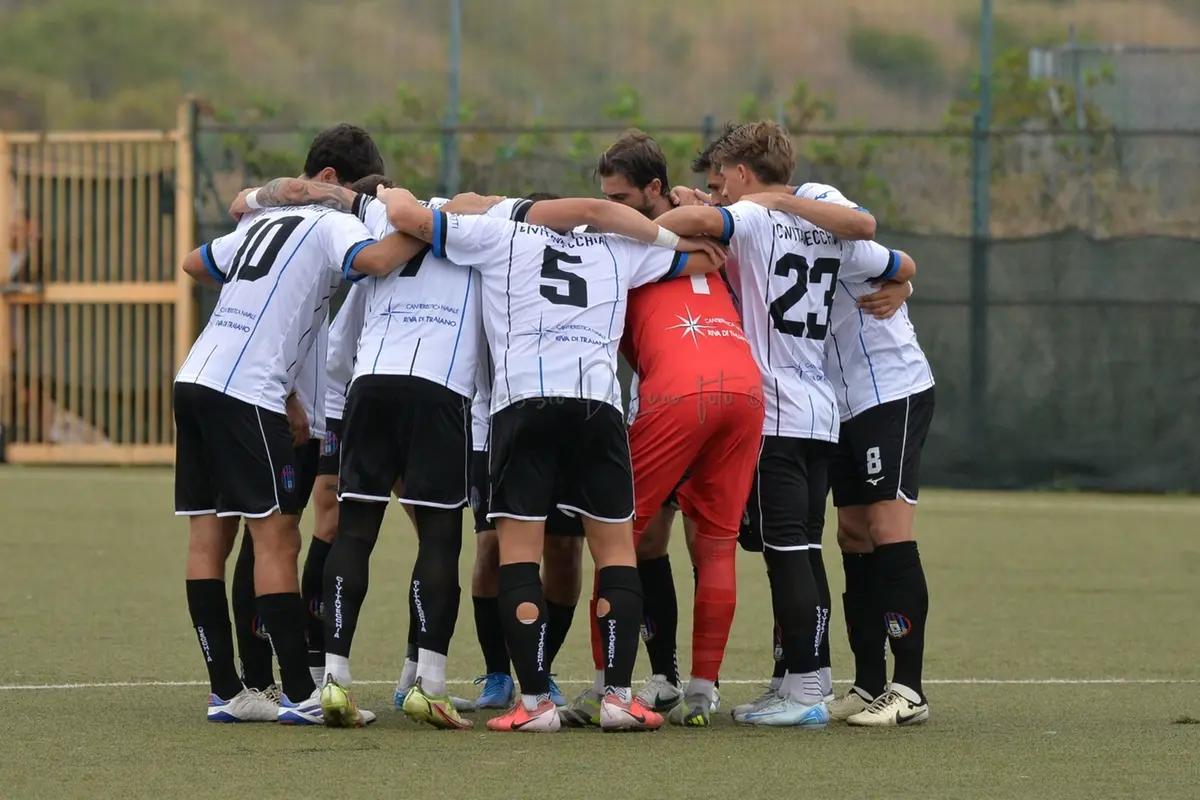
[{"x": 53, "y": 687}]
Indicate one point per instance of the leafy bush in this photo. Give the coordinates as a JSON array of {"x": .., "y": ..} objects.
[{"x": 906, "y": 61}]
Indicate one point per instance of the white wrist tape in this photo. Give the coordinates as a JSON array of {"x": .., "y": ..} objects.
[
  {"x": 666, "y": 239},
  {"x": 252, "y": 200}
]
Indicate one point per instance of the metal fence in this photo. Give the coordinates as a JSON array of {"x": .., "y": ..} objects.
[{"x": 1062, "y": 364}]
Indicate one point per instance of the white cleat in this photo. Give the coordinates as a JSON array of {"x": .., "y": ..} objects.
[
  {"x": 771, "y": 693},
  {"x": 306, "y": 712},
  {"x": 716, "y": 699},
  {"x": 897, "y": 707},
  {"x": 788, "y": 712},
  {"x": 248, "y": 705},
  {"x": 849, "y": 704},
  {"x": 659, "y": 694}
]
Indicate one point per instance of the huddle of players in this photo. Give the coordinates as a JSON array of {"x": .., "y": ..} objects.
[{"x": 535, "y": 323}]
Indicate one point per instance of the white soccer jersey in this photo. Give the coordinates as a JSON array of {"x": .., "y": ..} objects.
[
  {"x": 554, "y": 305},
  {"x": 312, "y": 382},
  {"x": 868, "y": 361},
  {"x": 481, "y": 406},
  {"x": 422, "y": 319},
  {"x": 785, "y": 275},
  {"x": 277, "y": 268},
  {"x": 344, "y": 333}
]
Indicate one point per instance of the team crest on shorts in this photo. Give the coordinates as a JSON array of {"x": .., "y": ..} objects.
[
  {"x": 475, "y": 500},
  {"x": 898, "y": 625},
  {"x": 316, "y": 608},
  {"x": 258, "y": 629},
  {"x": 329, "y": 446},
  {"x": 287, "y": 476}
]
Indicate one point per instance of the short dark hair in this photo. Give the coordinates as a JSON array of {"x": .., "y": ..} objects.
[
  {"x": 369, "y": 184},
  {"x": 703, "y": 161},
  {"x": 636, "y": 156},
  {"x": 348, "y": 150},
  {"x": 764, "y": 148},
  {"x": 536, "y": 196}
]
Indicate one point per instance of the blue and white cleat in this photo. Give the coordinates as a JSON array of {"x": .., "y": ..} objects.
[
  {"x": 556, "y": 695},
  {"x": 498, "y": 690},
  {"x": 246, "y": 706},
  {"x": 787, "y": 712},
  {"x": 306, "y": 712}
]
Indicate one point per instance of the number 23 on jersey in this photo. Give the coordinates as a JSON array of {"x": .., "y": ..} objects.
[{"x": 821, "y": 276}]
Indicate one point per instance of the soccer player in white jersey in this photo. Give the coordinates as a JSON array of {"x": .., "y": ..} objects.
[
  {"x": 554, "y": 314},
  {"x": 846, "y": 221},
  {"x": 884, "y": 388},
  {"x": 234, "y": 451},
  {"x": 785, "y": 275},
  {"x": 306, "y": 414}
]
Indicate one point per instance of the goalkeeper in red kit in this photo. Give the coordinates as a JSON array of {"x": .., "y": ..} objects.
[{"x": 700, "y": 415}]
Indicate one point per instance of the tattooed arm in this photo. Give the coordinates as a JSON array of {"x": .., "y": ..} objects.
[{"x": 295, "y": 192}]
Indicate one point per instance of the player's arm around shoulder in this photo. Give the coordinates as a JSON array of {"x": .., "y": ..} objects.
[
  {"x": 293, "y": 192},
  {"x": 842, "y": 220},
  {"x": 695, "y": 220},
  {"x": 603, "y": 215}
]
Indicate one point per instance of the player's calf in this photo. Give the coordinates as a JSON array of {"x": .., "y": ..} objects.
[
  {"x": 210, "y": 541},
  {"x": 276, "y": 549},
  {"x": 899, "y": 578},
  {"x": 562, "y": 568},
  {"x": 660, "y": 627}
]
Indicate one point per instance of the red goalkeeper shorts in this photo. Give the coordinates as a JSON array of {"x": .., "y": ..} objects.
[{"x": 714, "y": 437}]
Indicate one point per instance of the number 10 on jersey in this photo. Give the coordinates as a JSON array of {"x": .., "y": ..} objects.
[{"x": 822, "y": 275}]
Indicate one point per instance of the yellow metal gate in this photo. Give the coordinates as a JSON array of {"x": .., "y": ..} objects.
[{"x": 95, "y": 314}]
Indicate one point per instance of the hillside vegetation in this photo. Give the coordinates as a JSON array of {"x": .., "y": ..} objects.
[{"x": 888, "y": 63}]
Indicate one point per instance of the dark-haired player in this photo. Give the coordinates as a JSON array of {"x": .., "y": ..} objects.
[
  {"x": 786, "y": 275},
  {"x": 234, "y": 453},
  {"x": 554, "y": 312}
]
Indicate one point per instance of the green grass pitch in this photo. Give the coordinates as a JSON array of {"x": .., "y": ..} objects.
[{"x": 1062, "y": 659}]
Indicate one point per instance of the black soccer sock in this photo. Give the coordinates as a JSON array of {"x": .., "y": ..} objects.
[
  {"x": 904, "y": 596},
  {"x": 794, "y": 597},
  {"x": 283, "y": 616},
  {"x": 435, "y": 589},
  {"x": 777, "y": 653},
  {"x": 619, "y": 614},
  {"x": 347, "y": 572},
  {"x": 817, "y": 561},
  {"x": 660, "y": 608},
  {"x": 210, "y": 618},
  {"x": 558, "y": 624},
  {"x": 490, "y": 632},
  {"x": 414, "y": 626},
  {"x": 864, "y": 624},
  {"x": 312, "y": 584},
  {"x": 523, "y": 614},
  {"x": 254, "y": 648}
]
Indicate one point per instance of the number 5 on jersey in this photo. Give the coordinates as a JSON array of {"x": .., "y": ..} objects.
[
  {"x": 576, "y": 294},
  {"x": 815, "y": 325}
]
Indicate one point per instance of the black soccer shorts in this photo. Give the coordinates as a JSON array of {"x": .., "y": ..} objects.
[
  {"x": 232, "y": 459},
  {"x": 406, "y": 428},
  {"x": 786, "y": 508},
  {"x": 878, "y": 455},
  {"x": 568, "y": 454},
  {"x": 308, "y": 459},
  {"x": 558, "y": 522},
  {"x": 331, "y": 448}
]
